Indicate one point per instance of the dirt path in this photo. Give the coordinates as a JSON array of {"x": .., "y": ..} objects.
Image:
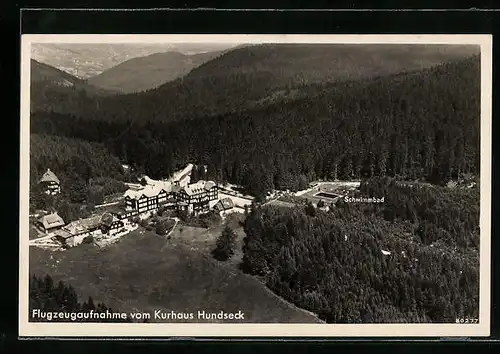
[{"x": 173, "y": 228}]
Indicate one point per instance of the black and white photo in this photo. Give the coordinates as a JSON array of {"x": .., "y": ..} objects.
[{"x": 258, "y": 185}]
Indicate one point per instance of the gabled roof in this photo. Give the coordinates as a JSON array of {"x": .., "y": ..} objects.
[
  {"x": 179, "y": 175},
  {"x": 224, "y": 204},
  {"x": 198, "y": 187},
  {"x": 149, "y": 190},
  {"x": 63, "y": 233},
  {"x": 49, "y": 176},
  {"x": 82, "y": 225},
  {"x": 51, "y": 221}
]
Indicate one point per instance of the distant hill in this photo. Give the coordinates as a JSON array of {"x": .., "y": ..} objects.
[
  {"x": 246, "y": 76},
  {"x": 55, "y": 90},
  {"x": 310, "y": 63},
  {"x": 144, "y": 73},
  {"x": 259, "y": 75},
  {"x": 49, "y": 76},
  {"x": 84, "y": 60}
]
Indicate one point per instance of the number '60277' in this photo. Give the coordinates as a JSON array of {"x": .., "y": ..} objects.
[{"x": 467, "y": 320}]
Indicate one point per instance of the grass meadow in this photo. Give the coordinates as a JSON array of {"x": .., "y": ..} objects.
[{"x": 146, "y": 272}]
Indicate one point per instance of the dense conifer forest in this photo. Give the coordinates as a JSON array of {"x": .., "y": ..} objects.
[
  {"x": 332, "y": 262},
  {"x": 86, "y": 170},
  {"x": 419, "y": 125}
]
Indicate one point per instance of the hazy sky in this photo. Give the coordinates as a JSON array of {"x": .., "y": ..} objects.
[{"x": 186, "y": 48}]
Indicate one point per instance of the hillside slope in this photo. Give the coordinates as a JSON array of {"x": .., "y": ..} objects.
[
  {"x": 43, "y": 74},
  {"x": 412, "y": 259},
  {"x": 55, "y": 90},
  {"x": 145, "y": 272},
  {"x": 144, "y": 73},
  {"x": 253, "y": 76},
  {"x": 245, "y": 77},
  {"x": 414, "y": 125}
]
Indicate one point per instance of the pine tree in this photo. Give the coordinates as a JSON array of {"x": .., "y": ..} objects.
[
  {"x": 225, "y": 244},
  {"x": 310, "y": 209},
  {"x": 195, "y": 175}
]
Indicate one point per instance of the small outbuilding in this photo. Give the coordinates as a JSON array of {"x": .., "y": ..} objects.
[
  {"x": 51, "y": 222},
  {"x": 224, "y": 206}
]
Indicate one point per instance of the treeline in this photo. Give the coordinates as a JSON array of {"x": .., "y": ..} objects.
[
  {"x": 46, "y": 296},
  {"x": 87, "y": 172},
  {"x": 348, "y": 266},
  {"x": 420, "y": 125}
]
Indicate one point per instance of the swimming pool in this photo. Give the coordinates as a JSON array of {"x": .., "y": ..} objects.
[{"x": 327, "y": 195}]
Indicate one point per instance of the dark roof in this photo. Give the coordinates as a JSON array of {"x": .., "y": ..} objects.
[
  {"x": 107, "y": 219},
  {"x": 224, "y": 204}
]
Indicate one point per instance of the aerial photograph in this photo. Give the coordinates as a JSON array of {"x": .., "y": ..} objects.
[{"x": 286, "y": 183}]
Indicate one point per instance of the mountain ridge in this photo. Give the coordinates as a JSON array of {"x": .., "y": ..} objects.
[
  {"x": 148, "y": 72},
  {"x": 233, "y": 85},
  {"x": 242, "y": 78}
]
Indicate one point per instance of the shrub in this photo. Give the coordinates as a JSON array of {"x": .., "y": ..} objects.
[
  {"x": 169, "y": 223},
  {"x": 161, "y": 229},
  {"x": 88, "y": 239}
]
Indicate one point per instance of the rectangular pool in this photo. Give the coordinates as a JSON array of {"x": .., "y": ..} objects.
[{"x": 327, "y": 195}]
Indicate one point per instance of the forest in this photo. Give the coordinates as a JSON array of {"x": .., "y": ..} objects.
[
  {"x": 416, "y": 126},
  {"x": 87, "y": 172},
  {"x": 47, "y": 296},
  {"x": 332, "y": 263}
]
